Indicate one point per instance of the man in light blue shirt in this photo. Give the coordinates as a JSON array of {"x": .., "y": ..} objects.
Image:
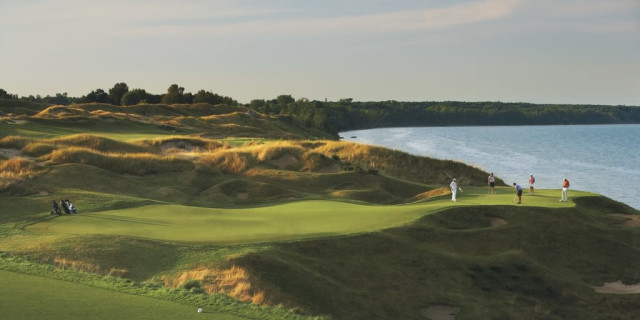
[{"x": 518, "y": 192}]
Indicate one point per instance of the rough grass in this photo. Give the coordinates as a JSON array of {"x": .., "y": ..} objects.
[
  {"x": 98, "y": 143},
  {"x": 403, "y": 165},
  {"x": 131, "y": 163},
  {"x": 17, "y": 167},
  {"x": 541, "y": 265},
  {"x": 13, "y": 142}
]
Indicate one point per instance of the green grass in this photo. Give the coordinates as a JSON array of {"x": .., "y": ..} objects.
[
  {"x": 296, "y": 220},
  {"x": 541, "y": 265},
  {"x": 47, "y": 129},
  {"x": 31, "y": 297}
]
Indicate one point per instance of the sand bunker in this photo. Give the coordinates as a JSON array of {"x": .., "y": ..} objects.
[
  {"x": 243, "y": 195},
  {"x": 334, "y": 168},
  {"x": 285, "y": 161},
  {"x": 632, "y": 220},
  {"x": 496, "y": 222},
  {"x": 618, "y": 288},
  {"x": 440, "y": 312},
  {"x": 9, "y": 153},
  {"x": 15, "y": 121}
]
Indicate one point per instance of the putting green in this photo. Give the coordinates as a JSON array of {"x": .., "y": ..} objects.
[
  {"x": 31, "y": 297},
  {"x": 297, "y": 220}
]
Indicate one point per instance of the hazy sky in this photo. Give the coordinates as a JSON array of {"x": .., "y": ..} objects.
[{"x": 541, "y": 51}]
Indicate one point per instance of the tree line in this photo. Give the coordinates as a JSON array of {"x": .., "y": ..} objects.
[
  {"x": 120, "y": 94},
  {"x": 346, "y": 114}
]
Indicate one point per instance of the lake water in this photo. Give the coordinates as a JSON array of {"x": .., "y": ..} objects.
[{"x": 603, "y": 159}]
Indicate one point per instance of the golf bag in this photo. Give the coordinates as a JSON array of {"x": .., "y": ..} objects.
[
  {"x": 64, "y": 207},
  {"x": 56, "y": 209},
  {"x": 71, "y": 206}
]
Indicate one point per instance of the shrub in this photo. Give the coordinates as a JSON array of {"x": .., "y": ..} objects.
[
  {"x": 227, "y": 161},
  {"x": 276, "y": 150},
  {"x": 13, "y": 142}
]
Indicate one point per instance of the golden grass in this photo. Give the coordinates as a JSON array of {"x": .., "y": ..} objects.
[
  {"x": 76, "y": 265},
  {"x": 17, "y": 167},
  {"x": 403, "y": 165},
  {"x": 13, "y": 142},
  {"x": 79, "y": 265},
  {"x": 38, "y": 149},
  {"x": 98, "y": 143},
  {"x": 274, "y": 150},
  {"x": 132, "y": 163},
  {"x": 235, "y": 282},
  {"x": 227, "y": 161}
]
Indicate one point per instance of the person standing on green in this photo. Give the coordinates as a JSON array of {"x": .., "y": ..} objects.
[
  {"x": 492, "y": 183},
  {"x": 565, "y": 190},
  {"x": 454, "y": 189},
  {"x": 532, "y": 180}
]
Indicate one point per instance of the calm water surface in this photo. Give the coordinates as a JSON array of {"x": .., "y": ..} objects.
[{"x": 604, "y": 159}]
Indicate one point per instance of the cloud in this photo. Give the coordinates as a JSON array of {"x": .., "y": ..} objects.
[
  {"x": 390, "y": 22},
  {"x": 582, "y": 16}
]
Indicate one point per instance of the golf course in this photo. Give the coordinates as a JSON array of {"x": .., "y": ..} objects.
[{"x": 251, "y": 216}]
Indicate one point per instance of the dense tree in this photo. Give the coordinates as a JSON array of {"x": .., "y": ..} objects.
[
  {"x": 5, "y": 95},
  {"x": 134, "y": 96},
  {"x": 98, "y": 95},
  {"x": 116, "y": 93},
  {"x": 57, "y": 99},
  {"x": 207, "y": 97},
  {"x": 285, "y": 99},
  {"x": 175, "y": 94}
]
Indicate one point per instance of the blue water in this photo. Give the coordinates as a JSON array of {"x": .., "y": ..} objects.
[{"x": 604, "y": 159}]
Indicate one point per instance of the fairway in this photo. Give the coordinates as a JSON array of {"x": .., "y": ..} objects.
[
  {"x": 296, "y": 220},
  {"x": 31, "y": 297}
]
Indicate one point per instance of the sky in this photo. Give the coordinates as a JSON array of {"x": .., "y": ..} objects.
[{"x": 538, "y": 51}]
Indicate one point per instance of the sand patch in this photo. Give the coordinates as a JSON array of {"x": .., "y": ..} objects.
[
  {"x": 432, "y": 193},
  {"x": 346, "y": 186},
  {"x": 243, "y": 195},
  {"x": 285, "y": 161},
  {"x": 632, "y": 220},
  {"x": 618, "y": 288},
  {"x": 496, "y": 222},
  {"x": 440, "y": 312},
  {"x": 334, "y": 168},
  {"x": 177, "y": 146},
  {"x": 9, "y": 153},
  {"x": 15, "y": 121}
]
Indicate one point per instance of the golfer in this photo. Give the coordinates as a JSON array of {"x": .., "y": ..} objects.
[
  {"x": 518, "y": 192},
  {"x": 565, "y": 190},
  {"x": 532, "y": 180},
  {"x": 492, "y": 183},
  {"x": 454, "y": 189}
]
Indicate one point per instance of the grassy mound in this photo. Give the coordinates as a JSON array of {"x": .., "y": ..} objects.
[
  {"x": 247, "y": 215},
  {"x": 541, "y": 265}
]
